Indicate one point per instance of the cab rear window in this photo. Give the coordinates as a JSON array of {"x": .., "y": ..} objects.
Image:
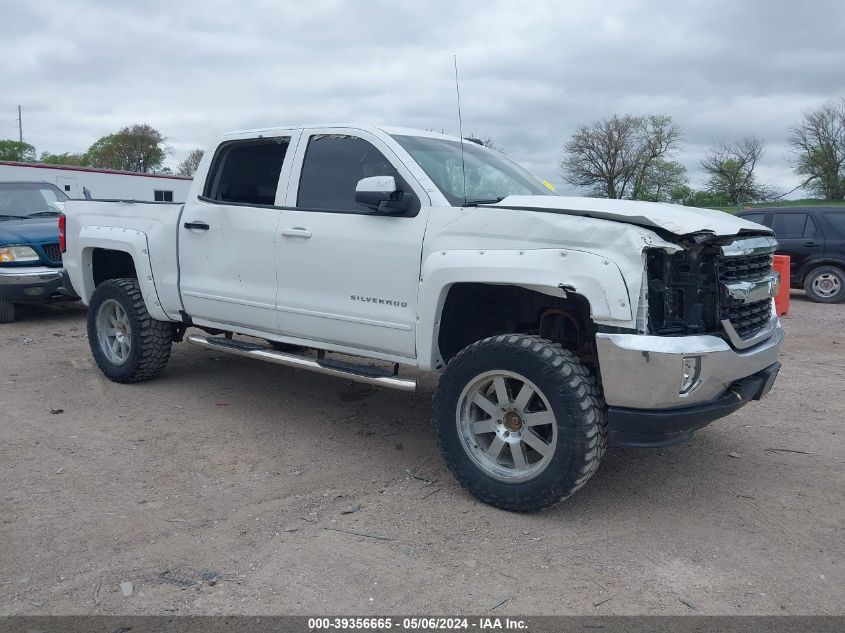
[{"x": 247, "y": 172}]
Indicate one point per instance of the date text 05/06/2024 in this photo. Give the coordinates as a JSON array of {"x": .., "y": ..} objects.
[{"x": 417, "y": 624}]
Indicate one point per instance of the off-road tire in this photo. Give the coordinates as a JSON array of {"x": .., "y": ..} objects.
[
  {"x": 814, "y": 274},
  {"x": 574, "y": 398},
  {"x": 7, "y": 310},
  {"x": 150, "y": 339}
]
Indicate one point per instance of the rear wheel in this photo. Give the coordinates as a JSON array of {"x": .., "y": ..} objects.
[
  {"x": 127, "y": 343},
  {"x": 7, "y": 310},
  {"x": 825, "y": 284},
  {"x": 521, "y": 423}
]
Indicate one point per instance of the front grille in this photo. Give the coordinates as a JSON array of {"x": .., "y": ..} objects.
[
  {"x": 52, "y": 251},
  {"x": 699, "y": 290},
  {"x": 746, "y": 268},
  {"x": 749, "y": 320}
]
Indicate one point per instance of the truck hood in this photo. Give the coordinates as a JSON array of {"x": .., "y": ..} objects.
[
  {"x": 675, "y": 219},
  {"x": 29, "y": 230}
]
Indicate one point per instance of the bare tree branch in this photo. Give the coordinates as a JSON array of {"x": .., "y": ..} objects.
[
  {"x": 818, "y": 145},
  {"x": 188, "y": 167},
  {"x": 730, "y": 169},
  {"x": 614, "y": 157}
]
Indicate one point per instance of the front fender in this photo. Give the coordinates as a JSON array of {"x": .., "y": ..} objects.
[
  {"x": 549, "y": 271},
  {"x": 129, "y": 241}
]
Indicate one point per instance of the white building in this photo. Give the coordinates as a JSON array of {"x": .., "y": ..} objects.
[{"x": 102, "y": 184}]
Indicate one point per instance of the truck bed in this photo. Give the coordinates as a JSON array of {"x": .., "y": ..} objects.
[{"x": 151, "y": 230}]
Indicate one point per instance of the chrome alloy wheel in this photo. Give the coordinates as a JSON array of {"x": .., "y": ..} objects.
[
  {"x": 114, "y": 332},
  {"x": 505, "y": 424},
  {"x": 826, "y": 285}
]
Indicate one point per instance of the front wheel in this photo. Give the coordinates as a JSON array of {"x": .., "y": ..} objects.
[
  {"x": 520, "y": 421},
  {"x": 825, "y": 284},
  {"x": 127, "y": 343}
]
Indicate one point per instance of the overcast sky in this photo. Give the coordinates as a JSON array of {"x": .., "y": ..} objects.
[{"x": 530, "y": 72}]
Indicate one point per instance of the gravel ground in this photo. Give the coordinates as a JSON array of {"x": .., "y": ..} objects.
[{"x": 227, "y": 486}]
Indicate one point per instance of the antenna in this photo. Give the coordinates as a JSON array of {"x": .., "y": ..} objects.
[{"x": 461, "y": 130}]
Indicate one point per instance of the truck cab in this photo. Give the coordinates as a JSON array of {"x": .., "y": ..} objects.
[{"x": 559, "y": 326}]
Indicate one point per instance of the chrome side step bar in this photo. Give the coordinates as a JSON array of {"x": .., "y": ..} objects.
[{"x": 339, "y": 369}]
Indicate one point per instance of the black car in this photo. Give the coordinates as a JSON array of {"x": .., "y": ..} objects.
[{"x": 814, "y": 239}]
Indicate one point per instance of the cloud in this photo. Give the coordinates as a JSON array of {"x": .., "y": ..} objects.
[{"x": 530, "y": 72}]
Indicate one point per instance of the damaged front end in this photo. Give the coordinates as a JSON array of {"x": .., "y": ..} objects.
[
  {"x": 721, "y": 286},
  {"x": 708, "y": 340}
]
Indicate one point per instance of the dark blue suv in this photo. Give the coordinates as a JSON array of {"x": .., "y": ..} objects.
[
  {"x": 30, "y": 257},
  {"x": 814, "y": 239}
]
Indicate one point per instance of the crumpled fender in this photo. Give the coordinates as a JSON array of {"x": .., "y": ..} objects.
[{"x": 550, "y": 271}]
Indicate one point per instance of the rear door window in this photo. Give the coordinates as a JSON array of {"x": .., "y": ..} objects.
[
  {"x": 247, "y": 172},
  {"x": 789, "y": 225}
]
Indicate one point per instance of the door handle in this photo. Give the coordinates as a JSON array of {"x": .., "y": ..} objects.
[
  {"x": 197, "y": 226},
  {"x": 297, "y": 231},
  {"x": 810, "y": 243}
]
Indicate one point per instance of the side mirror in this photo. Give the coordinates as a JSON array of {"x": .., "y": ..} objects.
[{"x": 381, "y": 194}]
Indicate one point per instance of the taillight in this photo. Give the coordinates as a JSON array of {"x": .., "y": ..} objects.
[{"x": 62, "y": 240}]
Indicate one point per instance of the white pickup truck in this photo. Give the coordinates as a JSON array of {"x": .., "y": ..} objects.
[{"x": 560, "y": 325}]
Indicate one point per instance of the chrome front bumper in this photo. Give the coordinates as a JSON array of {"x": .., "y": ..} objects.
[
  {"x": 30, "y": 284},
  {"x": 645, "y": 372},
  {"x": 29, "y": 275}
]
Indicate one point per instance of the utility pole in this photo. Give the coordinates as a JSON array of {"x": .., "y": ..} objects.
[{"x": 20, "y": 125}]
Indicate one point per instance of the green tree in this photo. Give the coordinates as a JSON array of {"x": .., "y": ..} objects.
[
  {"x": 67, "y": 158},
  {"x": 659, "y": 181},
  {"x": 818, "y": 145},
  {"x": 659, "y": 138},
  {"x": 18, "y": 151},
  {"x": 139, "y": 148},
  {"x": 684, "y": 194},
  {"x": 188, "y": 167}
]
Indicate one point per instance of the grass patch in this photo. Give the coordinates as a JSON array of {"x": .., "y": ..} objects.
[{"x": 808, "y": 202}]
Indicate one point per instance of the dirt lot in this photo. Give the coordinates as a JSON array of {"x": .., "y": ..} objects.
[{"x": 233, "y": 468}]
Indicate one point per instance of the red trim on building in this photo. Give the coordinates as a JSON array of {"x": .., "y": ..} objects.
[{"x": 91, "y": 169}]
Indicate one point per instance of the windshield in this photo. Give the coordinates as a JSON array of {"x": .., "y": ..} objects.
[
  {"x": 28, "y": 199},
  {"x": 490, "y": 176}
]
